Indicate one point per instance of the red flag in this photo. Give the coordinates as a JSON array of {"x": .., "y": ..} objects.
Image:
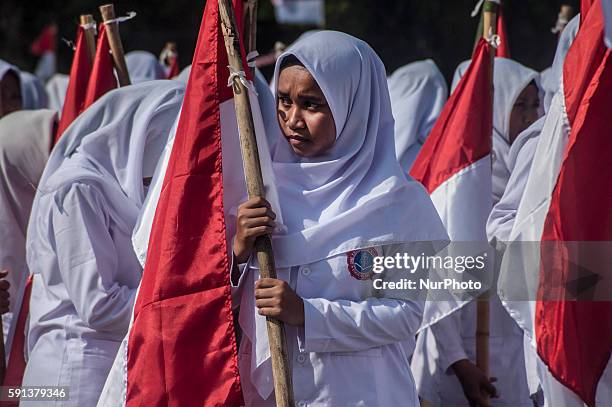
[
  {"x": 462, "y": 133},
  {"x": 504, "y": 46},
  {"x": 45, "y": 42},
  {"x": 77, "y": 85},
  {"x": 182, "y": 348},
  {"x": 574, "y": 338},
  {"x": 102, "y": 77}
]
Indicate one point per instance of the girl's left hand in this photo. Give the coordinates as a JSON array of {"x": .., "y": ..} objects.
[{"x": 276, "y": 299}]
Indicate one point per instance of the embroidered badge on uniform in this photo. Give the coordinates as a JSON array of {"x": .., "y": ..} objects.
[{"x": 361, "y": 263}]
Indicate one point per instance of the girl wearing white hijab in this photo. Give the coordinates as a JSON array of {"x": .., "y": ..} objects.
[
  {"x": 79, "y": 237},
  {"x": 344, "y": 200},
  {"x": 418, "y": 93},
  {"x": 25, "y": 141},
  {"x": 143, "y": 66},
  {"x": 520, "y": 157},
  {"x": 450, "y": 377},
  {"x": 10, "y": 89}
]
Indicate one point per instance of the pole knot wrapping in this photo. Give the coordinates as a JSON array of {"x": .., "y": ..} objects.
[
  {"x": 494, "y": 40},
  {"x": 241, "y": 77},
  {"x": 479, "y": 5},
  {"x": 129, "y": 16},
  {"x": 90, "y": 26}
]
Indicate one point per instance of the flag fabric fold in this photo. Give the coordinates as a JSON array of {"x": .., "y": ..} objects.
[
  {"x": 565, "y": 207},
  {"x": 454, "y": 164},
  {"x": 102, "y": 77},
  {"x": 80, "y": 72},
  {"x": 182, "y": 348}
]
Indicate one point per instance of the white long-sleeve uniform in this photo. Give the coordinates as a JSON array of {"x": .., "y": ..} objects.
[
  {"x": 350, "y": 350},
  {"x": 86, "y": 275}
]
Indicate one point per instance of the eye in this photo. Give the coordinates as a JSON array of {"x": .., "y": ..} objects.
[
  {"x": 309, "y": 104},
  {"x": 284, "y": 100}
]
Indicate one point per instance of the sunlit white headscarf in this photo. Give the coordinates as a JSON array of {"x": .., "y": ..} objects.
[
  {"x": 418, "y": 93},
  {"x": 25, "y": 141},
  {"x": 509, "y": 80},
  {"x": 353, "y": 196},
  {"x": 109, "y": 146}
]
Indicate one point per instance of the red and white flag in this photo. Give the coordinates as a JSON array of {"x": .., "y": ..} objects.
[
  {"x": 102, "y": 77},
  {"x": 181, "y": 348},
  {"x": 77, "y": 85},
  {"x": 454, "y": 164},
  {"x": 566, "y": 207}
]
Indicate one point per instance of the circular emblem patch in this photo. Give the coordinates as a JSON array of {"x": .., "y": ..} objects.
[{"x": 361, "y": 263}]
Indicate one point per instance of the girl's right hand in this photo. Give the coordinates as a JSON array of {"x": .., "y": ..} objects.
[{"x": 255, "y": 218}]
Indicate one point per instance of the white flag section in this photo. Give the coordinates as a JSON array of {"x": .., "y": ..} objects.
[
  {"x": 234, "y": 187},
  {"x": 299, "y": 11},
  {"x": 607, "y": 11}
]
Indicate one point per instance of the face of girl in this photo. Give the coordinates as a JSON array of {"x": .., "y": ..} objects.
[
  {"x": 525, "y": 111},
  {"x": 303, "y": 113},
  {"x": 10, "y": 94}
]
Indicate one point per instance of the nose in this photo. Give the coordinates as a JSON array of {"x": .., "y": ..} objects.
[{"x": 295, "y": 119}]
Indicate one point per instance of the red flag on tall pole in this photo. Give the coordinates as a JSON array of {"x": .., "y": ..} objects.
[
  {"x": 574, "y": 336},
  {"x": 454, "y": 164},
  {"x": 503, "y": 50},
  {"x": 77, "y": 84},
  {"x": 566, "y": 209},
  {"x": 182, "y": 348},
  {"x": 102, "y": 77}
]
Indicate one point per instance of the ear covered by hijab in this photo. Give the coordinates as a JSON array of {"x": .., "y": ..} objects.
[
  {"x": 355, "y": 195},
  {"x": 418, "y": 93},
  {"x": 108, "y": 145}
]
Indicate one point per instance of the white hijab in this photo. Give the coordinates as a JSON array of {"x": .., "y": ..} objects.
[
  {"x": 553, "y": 79},
  {"x": 509, "y": 80},
  {"x": 356, "y": 195},
  {"x": 143, "y": 66},
  {"x": 109, "y": 145},
  {"x": 418, "y": 93},
  {"x": 33, "y": 92},
  {"x": 25, "y": 141},
  {"x": 56, "y": 91},
  {"x": 184, "y": 75}
]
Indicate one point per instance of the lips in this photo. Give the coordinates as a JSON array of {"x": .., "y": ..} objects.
[{"x": 297, "y": 138}]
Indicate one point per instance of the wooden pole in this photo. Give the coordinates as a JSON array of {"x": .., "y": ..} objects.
[
  {"x": 114, "y": 40},
  {"x": 250, "y": 27},
  {"x": 248, "y": 144},
  {"x": 90, "y": 35},
  {"x": 482, "y": 306}
]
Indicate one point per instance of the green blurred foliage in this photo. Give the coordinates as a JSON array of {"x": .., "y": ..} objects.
[{"x": 400, "y": 31}]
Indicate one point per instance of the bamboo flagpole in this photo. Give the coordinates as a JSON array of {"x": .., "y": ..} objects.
[
  {"x": 114, "y": 40},
  {"x": 482, "y": 305},
  {"x": 89, "y": 27},
  {"x": 263, "y": 246}
]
